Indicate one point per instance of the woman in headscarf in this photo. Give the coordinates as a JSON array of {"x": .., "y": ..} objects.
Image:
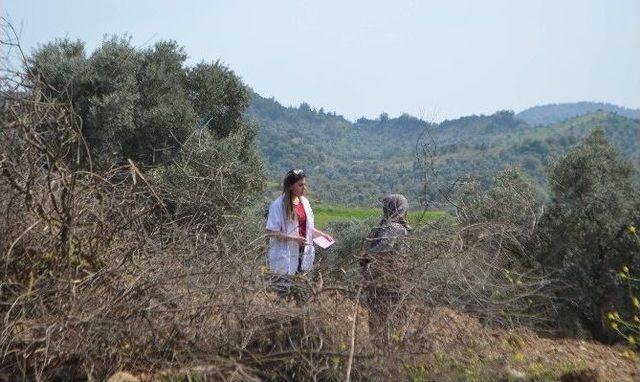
[{"x": 383, "y": 269}]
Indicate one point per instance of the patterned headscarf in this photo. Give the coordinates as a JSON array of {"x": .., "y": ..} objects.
[
  {"x": 395, "y": 208},
  {"x": 383, "y": 237}
]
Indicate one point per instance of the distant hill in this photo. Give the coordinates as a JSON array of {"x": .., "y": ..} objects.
[
  {"x": 350, "y": 163},
  {"x": 355, "y": 163},
  {"x": 555, "y": 113}
]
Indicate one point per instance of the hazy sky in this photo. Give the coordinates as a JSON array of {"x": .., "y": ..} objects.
[{"x": 432, "y": 59}]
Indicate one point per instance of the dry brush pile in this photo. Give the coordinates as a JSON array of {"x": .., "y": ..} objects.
[
  {"x": 111, "y": 268},
  {"x": 94, "y": 265}
]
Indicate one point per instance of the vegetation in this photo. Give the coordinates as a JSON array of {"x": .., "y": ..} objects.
[
  {"x": 141, "y": 104},
  {"x": 355, "y": 163},
  {"x": 182, "y": 124},
  {"x": 348, "y": 164},
  {"x": 114, "y": 204},
  {"x": 628, "y": 325},
  {"x": 131, "y": 192},
  {"x": 582, "y": 233},
  {"x": 324, "y": 214}
]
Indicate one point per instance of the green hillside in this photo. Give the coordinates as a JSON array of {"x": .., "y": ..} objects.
[
  {"x": 348, "y": 163},
  {"x": 354, "y": 163}
]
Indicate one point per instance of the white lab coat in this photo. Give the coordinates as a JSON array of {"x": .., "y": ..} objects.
[{"x": 283, "y": 255}]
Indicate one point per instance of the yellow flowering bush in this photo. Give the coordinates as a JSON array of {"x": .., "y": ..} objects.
[{"x": 629, "y": 328}]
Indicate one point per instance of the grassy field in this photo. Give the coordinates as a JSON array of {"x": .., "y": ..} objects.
[{"x": 325, "y": 213}]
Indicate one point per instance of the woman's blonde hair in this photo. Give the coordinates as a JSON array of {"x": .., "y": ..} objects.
[{"x": 292, "y": 177}]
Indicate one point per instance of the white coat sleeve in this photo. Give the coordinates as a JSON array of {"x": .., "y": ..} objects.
[{"x": 275, "y": 221}]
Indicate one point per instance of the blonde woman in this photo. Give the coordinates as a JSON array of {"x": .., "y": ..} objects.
[{"x": 291, "y": 229}]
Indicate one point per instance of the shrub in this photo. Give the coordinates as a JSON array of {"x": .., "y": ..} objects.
[{"x": 582, "y": 233}]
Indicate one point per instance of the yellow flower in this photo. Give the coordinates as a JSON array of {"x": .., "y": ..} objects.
[
  {"x": 625, "y": 269},
  {"x": 519, "y": 357},
  {"x": 507, "y": 275},
  {"x": 614, "y": 326},
  {"x": 622, "y": 275},
  {"x": 632, "y": 229},
  {"x": 636, "y": 318},
  {"x": 616, "y": 315},
  {"x": 631, "y": 340},
  {"x": 610, "y": 316},
  {"x": 336, "y": 361},
  {"x": 635, "y": 302}
]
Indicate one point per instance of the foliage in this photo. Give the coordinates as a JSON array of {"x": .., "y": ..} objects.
[
  {"x": 356, "y": 163},
  {"x": 324, "y": 214},
  {"x": 510, "y": 198},
  {"x": 140, "y": 104},
  {"x": 628, "y": 326},
  {"x": 157, "y": 263},
  {"x": 347, "y": 164},
  {"x": 164, "y": 115},
  {"x": 185, "y": 123},
  {"x": 188, "y": 182},
  {"x": 218, "y": 96},
  {"x": 495, "y": 223},
  {"x": 593, "y": 197}
]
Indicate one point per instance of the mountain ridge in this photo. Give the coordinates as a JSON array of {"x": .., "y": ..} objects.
[{"x": 553, "y": 113}]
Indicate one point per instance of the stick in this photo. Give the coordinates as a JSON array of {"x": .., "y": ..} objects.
[{"x": 353, "y": 335}]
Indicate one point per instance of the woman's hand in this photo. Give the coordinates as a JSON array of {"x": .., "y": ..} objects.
[{"x": 301, "y": 240}]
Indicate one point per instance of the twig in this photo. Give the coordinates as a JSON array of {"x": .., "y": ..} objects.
[{"x": 352, "y": 344}]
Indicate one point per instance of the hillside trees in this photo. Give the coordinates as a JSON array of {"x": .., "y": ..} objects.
[
  {"x": 377, "y": 152},
  {"x": 583, "y": 231}
]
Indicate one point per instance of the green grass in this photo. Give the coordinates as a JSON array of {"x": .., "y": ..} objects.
[{"x": 325, "y": 213}]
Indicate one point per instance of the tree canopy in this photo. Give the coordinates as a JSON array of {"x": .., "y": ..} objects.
[
  {"x": 140, "y": 104},
  {"x": 593, "y": 201}
]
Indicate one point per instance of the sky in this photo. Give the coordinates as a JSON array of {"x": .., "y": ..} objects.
[{"x": 432, "y": 59}]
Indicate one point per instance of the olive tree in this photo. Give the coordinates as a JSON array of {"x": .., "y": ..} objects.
[
  {"x": 582, "y": 233},
  {"x": 184, "y": 126}
]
